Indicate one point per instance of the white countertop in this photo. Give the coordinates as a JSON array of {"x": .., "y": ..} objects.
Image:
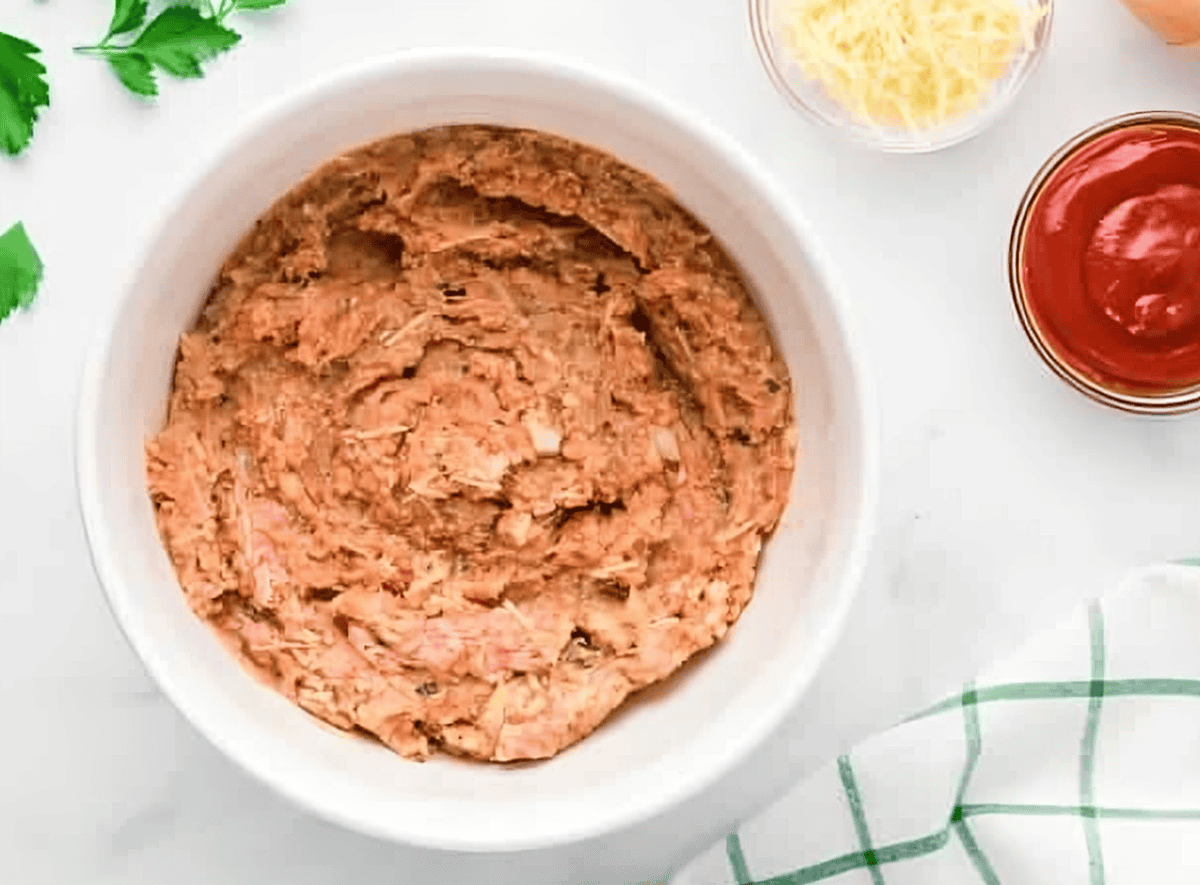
[{"x": 1006, "y": 495}]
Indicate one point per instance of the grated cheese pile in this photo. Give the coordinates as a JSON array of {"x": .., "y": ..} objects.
[{"x": 910, "y": 63}]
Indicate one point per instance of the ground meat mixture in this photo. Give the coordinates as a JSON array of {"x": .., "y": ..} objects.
[{"x": 478, "y": 433}]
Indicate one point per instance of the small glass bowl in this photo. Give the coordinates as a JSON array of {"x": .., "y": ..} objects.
[
  {"x": 1176, "y": 401},
  {"x": 814, "y": 102}
]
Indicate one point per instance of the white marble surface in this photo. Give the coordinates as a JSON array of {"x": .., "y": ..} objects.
[{"x": 1006, "y": 495}]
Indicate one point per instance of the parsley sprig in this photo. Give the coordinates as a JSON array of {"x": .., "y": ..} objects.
[
  {"x": 20, "y": 270},
  {"x": 227, "y": 7},
  {"x": 177, "y": 41},
  {"x": 23, "y": 92}
]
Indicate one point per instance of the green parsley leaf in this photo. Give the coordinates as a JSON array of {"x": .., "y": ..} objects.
[
  {"x": 128, "y": 15},
  {"x": 239, "y": 5},
  {"x": 180, "y": 39},
  {"x": 227, "y": 8},
  {"x": 23, "y": 90},
  {"x": 135, "y": 73},
  {"x": 20, "y": 271}
]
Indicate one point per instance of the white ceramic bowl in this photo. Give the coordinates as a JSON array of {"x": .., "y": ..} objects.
[{"x": 661, "y": 749}]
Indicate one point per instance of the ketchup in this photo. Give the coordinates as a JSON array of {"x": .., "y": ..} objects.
[{"x": 1110, "y": 263}]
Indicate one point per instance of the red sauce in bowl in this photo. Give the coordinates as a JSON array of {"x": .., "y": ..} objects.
[{"x": 1110, "y": 258}]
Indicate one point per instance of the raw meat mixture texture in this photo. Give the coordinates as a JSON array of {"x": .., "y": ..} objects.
[{"x": 478, "y": 433}]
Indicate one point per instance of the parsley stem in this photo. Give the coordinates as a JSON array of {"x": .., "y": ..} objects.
[{"x": 220, "y": 11}]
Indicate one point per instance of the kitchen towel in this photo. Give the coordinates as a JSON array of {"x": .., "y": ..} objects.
[{"x": 1074, "y": 762}]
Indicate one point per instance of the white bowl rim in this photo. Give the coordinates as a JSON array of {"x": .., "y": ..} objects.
[{"x": 639, "y": 808}]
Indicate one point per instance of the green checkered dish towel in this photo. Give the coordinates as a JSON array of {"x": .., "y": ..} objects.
[{"x": 1075, "y": 762}]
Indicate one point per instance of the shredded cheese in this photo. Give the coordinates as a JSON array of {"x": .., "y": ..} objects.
[{"x": 910, "y": 63}]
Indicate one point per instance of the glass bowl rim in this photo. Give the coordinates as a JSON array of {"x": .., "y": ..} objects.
[
  {"x": 760, "y": 31},
  {"x": 1177, "y": 401}
]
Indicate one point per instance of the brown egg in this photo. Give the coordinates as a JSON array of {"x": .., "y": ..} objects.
[{"x": 1178, "y": 21}]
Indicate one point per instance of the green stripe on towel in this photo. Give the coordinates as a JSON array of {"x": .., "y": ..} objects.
[
  {"x": 737, "y": 860},
  {"x": 856, "y": 860},
  {"x": 860, "y": 818},
  {"x": 1087, "y": 755},
  {"x": 1084, "y": 688},
  {"x": 1098, "y": 812}
]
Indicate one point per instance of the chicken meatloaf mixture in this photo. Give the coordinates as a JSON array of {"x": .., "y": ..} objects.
[{"x": 478, "y": 433}]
